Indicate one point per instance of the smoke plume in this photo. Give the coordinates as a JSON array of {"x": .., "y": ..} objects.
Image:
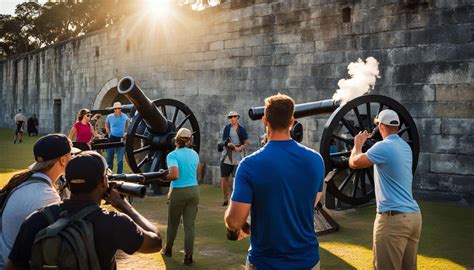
[{"x": 363, "y": 77}]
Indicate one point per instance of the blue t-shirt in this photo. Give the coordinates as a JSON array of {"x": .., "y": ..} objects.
[
  {"x": 393, "y": 175},
  {"x": 187, "y": 160},
  {"x": 281, "y": 182},
  {"x": 117, "y": 124}
]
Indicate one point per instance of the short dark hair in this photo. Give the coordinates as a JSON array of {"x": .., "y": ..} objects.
[{"x": 278, "y": 110}]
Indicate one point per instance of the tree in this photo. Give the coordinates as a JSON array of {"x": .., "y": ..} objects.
[{"x": 35, "y": 26}]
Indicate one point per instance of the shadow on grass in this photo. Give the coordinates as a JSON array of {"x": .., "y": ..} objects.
[{"x": 446, "y": 240}]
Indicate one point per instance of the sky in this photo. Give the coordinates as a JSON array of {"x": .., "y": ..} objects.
[{"x": 8, "y": 6}]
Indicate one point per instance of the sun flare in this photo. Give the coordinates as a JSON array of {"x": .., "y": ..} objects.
[{"x": 157, "y": 8}]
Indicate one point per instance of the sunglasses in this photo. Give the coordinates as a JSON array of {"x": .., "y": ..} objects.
[
  {"x": 88, "y": 115},
  {"x": 233, "y": 116},
  {"x": 117, "y": 108}
]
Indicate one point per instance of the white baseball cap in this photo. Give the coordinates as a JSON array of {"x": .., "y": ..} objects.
[
  {"x": 388, "y": 117},
  {"x": 117, "y": 105}
]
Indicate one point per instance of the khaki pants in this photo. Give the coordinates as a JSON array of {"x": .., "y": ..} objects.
[
  {"x": 395, "y": 240},
  {"x": 249, "y": 266}
]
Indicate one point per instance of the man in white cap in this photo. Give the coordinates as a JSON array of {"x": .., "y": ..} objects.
[
  {"x": 236, "y": 138},
  {"x": 397, "y": 225},
  {"x": 116, "y": 126}
]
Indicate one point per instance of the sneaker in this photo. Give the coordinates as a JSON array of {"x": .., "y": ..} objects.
[
  {"x": 167, "y": 252},
  {"x": 225, "y": 203},
  {"x": 14, "y": 142},
  {"x": 188, "y": 259}
]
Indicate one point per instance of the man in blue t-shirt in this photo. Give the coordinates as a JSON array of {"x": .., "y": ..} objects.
[
  {"x": 116, "y": 126},
  {"x": 397, "y": 227},
  {"x": 279, "y": 185}
]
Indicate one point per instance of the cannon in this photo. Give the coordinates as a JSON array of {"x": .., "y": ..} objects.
[
  {"x": 354, "y": 187},
  {"x": 150, "y": 136}
]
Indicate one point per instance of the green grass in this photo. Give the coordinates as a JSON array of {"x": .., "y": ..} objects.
[{"x": 447, "y": 241}]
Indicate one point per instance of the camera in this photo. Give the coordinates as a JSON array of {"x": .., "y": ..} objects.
[{"x": 221, "y": 145}]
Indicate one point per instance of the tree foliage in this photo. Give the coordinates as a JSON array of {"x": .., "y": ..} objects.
[{"x": 35, "y": 26}]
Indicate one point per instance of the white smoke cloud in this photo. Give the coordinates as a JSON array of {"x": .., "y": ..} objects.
[{"x": 363, "y": 77}]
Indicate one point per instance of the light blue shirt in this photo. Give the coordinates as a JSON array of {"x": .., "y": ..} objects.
[
  {"x": 117, "y": 124},
  {"x": 187, "y": 160},
  {"x": 393, "y": 176}
]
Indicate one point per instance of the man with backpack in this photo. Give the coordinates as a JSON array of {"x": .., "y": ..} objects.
[
  {"x": 33, "y": 188},
  {"x": 235, "y": 140},
  {"x": 77, "y": 233}
]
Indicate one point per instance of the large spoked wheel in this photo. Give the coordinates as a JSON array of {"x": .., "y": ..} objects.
[
  {"x": 146, "y": 152},
  {"x": 350, "y": 186}
]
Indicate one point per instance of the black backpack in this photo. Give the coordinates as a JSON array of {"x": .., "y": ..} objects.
[{"x": 67, "y": 243}]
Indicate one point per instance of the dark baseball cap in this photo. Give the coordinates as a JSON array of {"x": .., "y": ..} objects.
[
  {"x": 85, "y": 171},
  {"x": 53, "y": 146}
]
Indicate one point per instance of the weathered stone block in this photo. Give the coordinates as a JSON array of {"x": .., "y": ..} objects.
[
  {"x": 216, "y": 45},
  {"x": 428, "y": 126},
  {"x": 233, "y": 43},
  {"x": 455, "y": 164},
  {"x": 457, "y": 126},
  {"x": 455, "y": 92}
]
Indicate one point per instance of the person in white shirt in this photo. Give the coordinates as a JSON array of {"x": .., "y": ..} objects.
[
  {"x": 33, "y": 188},
  {"x": 20, "y": 122}
]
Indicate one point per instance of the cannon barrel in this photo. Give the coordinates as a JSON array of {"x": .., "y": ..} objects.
[
  {"x": 143, "y": 178},
  {"x": 153, "y": 118},
  {"x": 301, "y": 110},
  {"x": 129, "y": 189}
]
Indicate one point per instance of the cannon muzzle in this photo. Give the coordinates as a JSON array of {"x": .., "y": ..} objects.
[
  {"x": 301, "y": 110},
  {"x": 153, "y": 118}
]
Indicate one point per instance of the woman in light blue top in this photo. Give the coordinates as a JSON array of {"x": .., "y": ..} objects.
[{"x": 184, "y": 196}]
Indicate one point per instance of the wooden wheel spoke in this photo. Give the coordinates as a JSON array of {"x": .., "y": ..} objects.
[
  {"x": 369, "y": 117},
  {"x": 339, "y": 154},
  {"x": 345, "y": 140},
  {"x": 356, "y": 183},
  {"x": 142, "y": 162},
  {"x": 139, "y": 150},
  {"x": 142, "y": 136},
  {"x": 175, "y": 115},
  {"x": 349, "y": 126},
  {"x": 403, "y": 130},
  {"x": 362, "y": 182},
  {"x": 359, "y": 119},
  {"x": 379, "y": 109},
  {"x": 346, "y": 180},
  {"x": 155, "y": 161},
  {"x": 163, "y": 110},
  {"x": 371, "y": 177},
  {"x": 182, "y": 122}
]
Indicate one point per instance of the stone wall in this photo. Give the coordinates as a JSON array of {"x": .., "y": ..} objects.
[{"x": 232, "y": 56}]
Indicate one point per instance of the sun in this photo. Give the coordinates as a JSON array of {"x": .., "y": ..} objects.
[{"x": 157, "y": 8}]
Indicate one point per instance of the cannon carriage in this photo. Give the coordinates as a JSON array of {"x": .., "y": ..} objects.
[
  {"x": 352, "y": 186},
  {"x": 150, "y": 136}
]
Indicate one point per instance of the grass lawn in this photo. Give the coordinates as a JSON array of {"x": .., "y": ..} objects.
[{"x": 447, "y": 241}]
